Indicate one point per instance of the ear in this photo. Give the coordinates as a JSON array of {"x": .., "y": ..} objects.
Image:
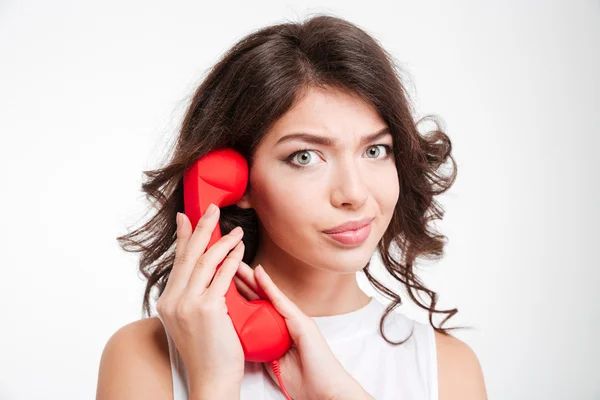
[{"x": 244, "y": 202}]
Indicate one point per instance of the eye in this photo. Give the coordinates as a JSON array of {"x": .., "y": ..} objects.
[
  {"x": 377, "y": 151},
  {"x": 304, "y": 158}
]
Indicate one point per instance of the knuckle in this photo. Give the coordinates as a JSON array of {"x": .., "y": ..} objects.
[
  {"x": 204, "y": 223},
  {"x": 181, "y": 258},
  {"x": 164, "y": 307},
  {"x": 235, "y": 255},
  {"x": 224, "y": 270},
  {"x": 310, "y": 324},
  {"x": 277, "y": 301},
  {"x": 201, "y": 263},
  {"x": 231, "y": 262}
]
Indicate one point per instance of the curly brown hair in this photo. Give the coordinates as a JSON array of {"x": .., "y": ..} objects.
[{"x": 254, "y": 84}]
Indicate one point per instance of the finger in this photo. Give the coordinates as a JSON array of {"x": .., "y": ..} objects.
[
  {"x": 176, "y": 282},
  {"x": 246, "y": 273},
  {"x": 209, "y": 262},
  {"x": 222, "y": 279},
  {"x": 244, "y": 290},
  {"x": 190, "y": 245},
  {"x": 279, "y": 300}
]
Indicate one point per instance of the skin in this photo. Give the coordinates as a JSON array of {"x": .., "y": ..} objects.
[
  {"x": 302, "y": 271},
  {"x": 336, "y": 184}
]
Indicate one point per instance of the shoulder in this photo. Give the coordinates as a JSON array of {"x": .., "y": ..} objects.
[
  {"x": 135, "y": 363},
  {"x": 459, "y": 372}
]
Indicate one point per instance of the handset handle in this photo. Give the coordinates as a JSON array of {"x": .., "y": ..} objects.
[{"x": 221, "y": 177}]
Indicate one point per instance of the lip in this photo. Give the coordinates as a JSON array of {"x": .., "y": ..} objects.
[
  {"x": 352, "y": 237},
  {"x": 350, "y": 226}
]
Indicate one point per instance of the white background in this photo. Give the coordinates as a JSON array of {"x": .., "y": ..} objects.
[{"x": 91, "y": 94}]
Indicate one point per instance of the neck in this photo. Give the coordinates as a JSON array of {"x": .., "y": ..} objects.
[{"x": 316, "y": 291}]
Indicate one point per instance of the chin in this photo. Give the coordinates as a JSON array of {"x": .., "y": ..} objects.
[
  {"x": 339, "y": 258},
  {"x": 350, "y": 262},
  {"x": 344, "y": 269}
]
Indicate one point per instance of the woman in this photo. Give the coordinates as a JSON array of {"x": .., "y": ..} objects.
[{"x": 319, "y": 112}]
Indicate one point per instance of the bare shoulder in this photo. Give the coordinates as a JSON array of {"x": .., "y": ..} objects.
[
  {"x": 459, "y": 372},
  {"x": 135, "y": 363}
]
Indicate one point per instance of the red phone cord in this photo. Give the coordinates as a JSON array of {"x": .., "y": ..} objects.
[{"x": 277, "y": 371}]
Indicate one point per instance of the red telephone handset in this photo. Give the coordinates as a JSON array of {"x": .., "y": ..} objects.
[{"x": 221, "y": 177}]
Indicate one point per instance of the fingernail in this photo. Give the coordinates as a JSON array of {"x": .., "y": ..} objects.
[
  {"x": 237, "y": 231},
  {"x": 178, "y": 219},
  {"x": 211, "y": 210}
]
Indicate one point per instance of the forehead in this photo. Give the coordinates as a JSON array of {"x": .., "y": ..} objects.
[{"x": 331, "y": 113}]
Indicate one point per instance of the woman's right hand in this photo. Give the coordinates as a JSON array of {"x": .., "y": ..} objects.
[{"x": 194, "y": 310}]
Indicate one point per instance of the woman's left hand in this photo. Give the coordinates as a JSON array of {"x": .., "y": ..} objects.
[{"x": 309, "y": 370}]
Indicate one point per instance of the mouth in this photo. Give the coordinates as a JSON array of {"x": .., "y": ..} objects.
[
  {"x": 351, "y": 237},
  {"x": 350, "y": 225}
]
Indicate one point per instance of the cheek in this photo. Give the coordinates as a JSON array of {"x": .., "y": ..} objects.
[
  {"x": 387, "y": 193},
  {"x": 392, "y": 191},
  {"x": 283, "y": 209}
]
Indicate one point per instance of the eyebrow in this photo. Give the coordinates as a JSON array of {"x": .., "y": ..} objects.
[{"x": 325, "y": 141}]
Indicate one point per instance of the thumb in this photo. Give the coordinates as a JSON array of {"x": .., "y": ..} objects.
[
  {"x": 280, "y": 301},
  {"x": 302, "y": 328}
]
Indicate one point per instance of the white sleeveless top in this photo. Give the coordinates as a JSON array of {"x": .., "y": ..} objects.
[{"x": 407, "y": 371}]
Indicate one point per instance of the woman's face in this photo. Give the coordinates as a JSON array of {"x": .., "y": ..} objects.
[{"x": 300, "y": 188}]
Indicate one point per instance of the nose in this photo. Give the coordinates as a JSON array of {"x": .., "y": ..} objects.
[{"x": 349, "y": 186}]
